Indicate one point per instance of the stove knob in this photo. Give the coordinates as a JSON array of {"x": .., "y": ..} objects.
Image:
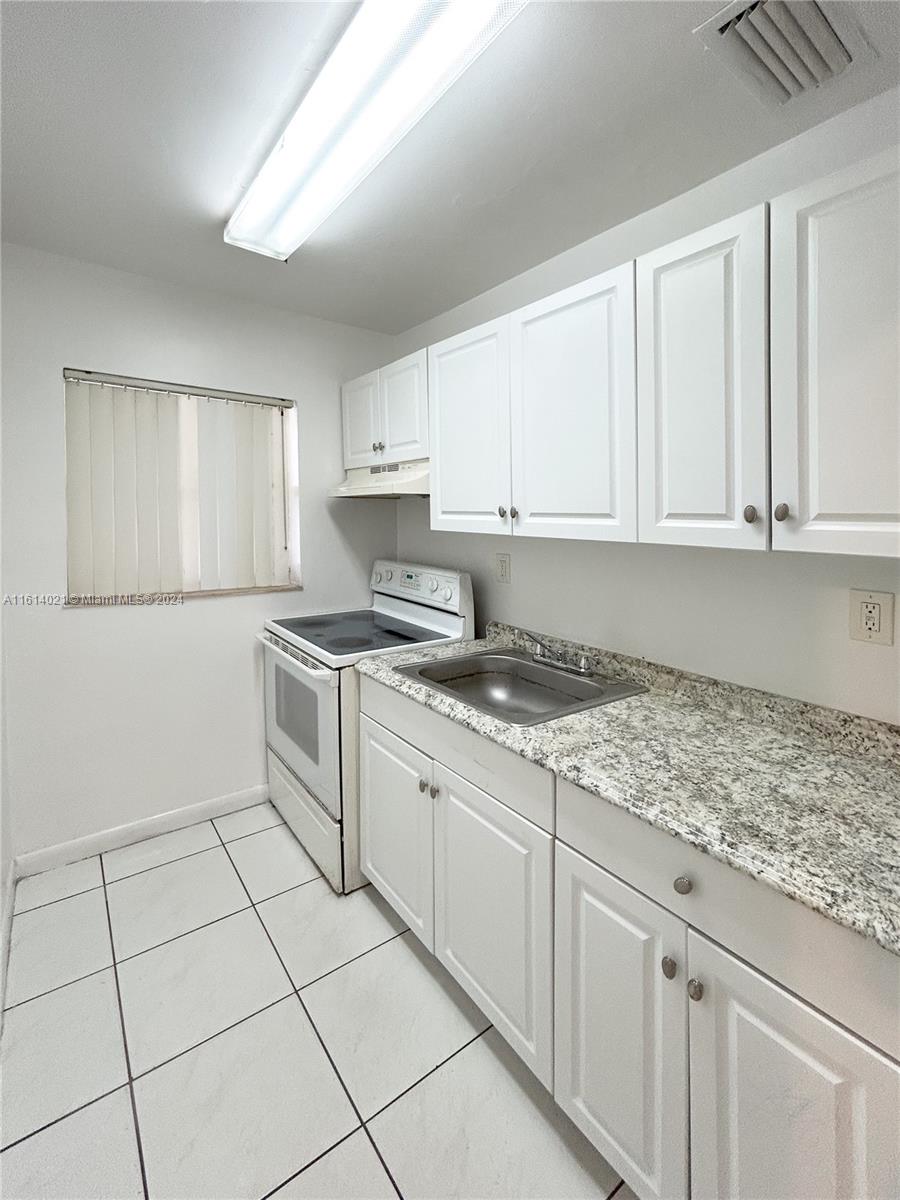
[
  {"x": 447, "y": 593},
  {"x": 389, "y": 575},
  {"x": 377, "y": 577},
  {"x": 432, "y": 585}
]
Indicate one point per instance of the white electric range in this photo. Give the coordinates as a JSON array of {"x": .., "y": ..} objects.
[{"x": 312, "y": 700}]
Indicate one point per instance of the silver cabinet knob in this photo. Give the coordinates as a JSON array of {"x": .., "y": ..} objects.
[
  {"x": 423, "y": 784},
  {"x": 750, "y": 513},
  {"x": 782, "y": 512},
  {"x": 501, "y": 511},
  {"x": 513, "y": 512},
  {"x": 381, "y": 445},
  {"x": 683, "y": 885},
  {"x": 669, "y": 967},
  {"x": 375, "y": 447},
  {"x": 695, "y": 989},
  {"x": 434, "y": 791}
]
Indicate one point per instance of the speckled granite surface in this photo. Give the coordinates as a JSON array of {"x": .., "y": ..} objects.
[{"x": 803, "y": 798}]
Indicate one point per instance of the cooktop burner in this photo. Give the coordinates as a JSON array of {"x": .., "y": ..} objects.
[{"x": 362, "y": 629}]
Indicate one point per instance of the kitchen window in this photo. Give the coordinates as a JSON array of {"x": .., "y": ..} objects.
[{"x": 173, "y": 489}]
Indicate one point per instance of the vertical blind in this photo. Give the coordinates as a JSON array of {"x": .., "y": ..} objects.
[{"x": 176, "y": 492}]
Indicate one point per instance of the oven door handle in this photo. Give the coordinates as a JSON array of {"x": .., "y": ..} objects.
[{"x": 323, "y": 674}]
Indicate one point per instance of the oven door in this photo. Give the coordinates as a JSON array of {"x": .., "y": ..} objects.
[{"x": 302, "y": 720}]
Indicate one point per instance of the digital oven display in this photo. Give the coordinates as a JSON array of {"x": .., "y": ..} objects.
[{"x": 410, "y": 579}]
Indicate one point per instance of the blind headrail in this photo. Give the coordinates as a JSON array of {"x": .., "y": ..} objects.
[{"x": 178, "y": 389}]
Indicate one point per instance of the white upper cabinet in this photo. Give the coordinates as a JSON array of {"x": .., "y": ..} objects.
[
  {"x": 835, "y": 376},
  {"x": 468, "y": 400},
  {"x": 783, "y": 1101},
  {"x": 573, "y": 412},
  {"x": 621, "y": 1025},
  {"x": 361, "y": 420},
  {"x": 403, "y": 401},
  {"x": 385, "y": 414},
  {"x": 701, "y": 368}
]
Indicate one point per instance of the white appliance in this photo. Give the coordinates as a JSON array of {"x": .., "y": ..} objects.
[
  {"x": 387, "y": 479},
  {"x": 312, "y": 700}
]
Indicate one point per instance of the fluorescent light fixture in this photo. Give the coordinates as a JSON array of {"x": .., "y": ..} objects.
[{"x": 396, "y": 58}]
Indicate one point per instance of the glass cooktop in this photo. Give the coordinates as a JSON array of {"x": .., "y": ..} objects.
[{"x": 357, "y": 632}]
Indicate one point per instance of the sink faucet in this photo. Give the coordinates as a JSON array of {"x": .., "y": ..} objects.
[{"x": 550, "y": 657}]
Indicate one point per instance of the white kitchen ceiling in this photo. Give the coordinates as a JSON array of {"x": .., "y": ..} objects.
[{"x": 129, "y": 130}]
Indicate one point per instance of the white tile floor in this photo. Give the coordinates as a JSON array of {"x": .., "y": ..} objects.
[{"x": 199, "y": 1015}]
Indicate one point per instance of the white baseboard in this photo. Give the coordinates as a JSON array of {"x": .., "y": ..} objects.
[
  {"x": 6, "y": 915},
  {"x": 123, "y": 835}
]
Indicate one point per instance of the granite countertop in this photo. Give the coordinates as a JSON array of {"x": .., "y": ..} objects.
[{"x": 803, "y": 798}]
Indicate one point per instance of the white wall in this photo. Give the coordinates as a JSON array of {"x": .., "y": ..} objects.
[
  {"x": 774, "y": 621},
  {"x": 118, "y": 714}
]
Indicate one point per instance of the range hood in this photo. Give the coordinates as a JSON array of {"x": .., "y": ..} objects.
[{"x": 391, "y": 479}]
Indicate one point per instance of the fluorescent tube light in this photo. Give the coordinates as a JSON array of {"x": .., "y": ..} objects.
[{"x": 396, "y": 58}]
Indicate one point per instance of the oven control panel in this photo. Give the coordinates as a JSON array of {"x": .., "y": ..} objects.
[{"x": 437, "y": 587}]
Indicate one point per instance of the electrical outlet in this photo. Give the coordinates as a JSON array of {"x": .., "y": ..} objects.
[
  {"x": 872, "y": 617},
  {"x": 503, "y": 569}
]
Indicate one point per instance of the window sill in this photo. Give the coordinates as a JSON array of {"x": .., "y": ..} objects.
[{"x": 169, "y": 599}]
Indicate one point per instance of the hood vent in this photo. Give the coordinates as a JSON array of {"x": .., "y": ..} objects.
[{"x": 782, "y": 49}]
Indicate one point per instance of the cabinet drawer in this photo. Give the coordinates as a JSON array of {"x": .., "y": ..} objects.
[{"x": 846, "y": 975}]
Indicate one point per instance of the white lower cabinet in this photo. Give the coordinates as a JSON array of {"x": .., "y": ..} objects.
[
  {"x": 621, "y": 1025},
  {"x": 694, "y": 1074},
  {"x": 493, "y": 913},
  {"x": 397, "y": 825},
  {"x": 785, "y": 1105}
]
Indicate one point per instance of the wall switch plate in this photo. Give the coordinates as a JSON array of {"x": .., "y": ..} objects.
[
  {"x": 503, "y": 569},
  {"x": 872, "y": 617}
]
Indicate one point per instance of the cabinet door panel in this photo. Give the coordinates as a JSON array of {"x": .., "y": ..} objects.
[
  {"x": 573, "y": 412},
  {"x": 362, "y": 426},
  {"x": 701, "y": 316},
  {"x": 404, "y": 408},
  {"x": 493, "y": 901},
  {"x": 621, "y": 1026},
  {"x": 468, "y": 401},
  {"x": 836, "y": 362},
  {"x": 397, "y": 825},
  {"x": 784, "y": 1103}
]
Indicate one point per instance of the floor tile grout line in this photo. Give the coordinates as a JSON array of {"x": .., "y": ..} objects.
[
  {"x": 156, "y": 866},
  {"x": 56, "y": 1120},
  {"x": 312, "y": 1162},
  {"x": 49, "y": 992},
  {"x": 253, "y": 832},
  {"x": 134, "y": 1111},
  {"x": 203, "y": 1041},
  {"x": 429, "y": 1072},
  {"x": 206, "y": 924},
  {"x": 356, "y": 957},
  {"x": 315, "y": 1030},
  {"x": 181, "y": 857},
  {"x": 353, "y": 1103},
  {"x": 21, "y": 912},
  {"x": 176, "y": 937}
]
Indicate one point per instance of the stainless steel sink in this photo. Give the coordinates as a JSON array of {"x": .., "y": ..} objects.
[{"x": 510, "y": 685}]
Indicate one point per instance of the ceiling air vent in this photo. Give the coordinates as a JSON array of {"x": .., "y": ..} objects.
[{"x": 782, "y": 49}]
